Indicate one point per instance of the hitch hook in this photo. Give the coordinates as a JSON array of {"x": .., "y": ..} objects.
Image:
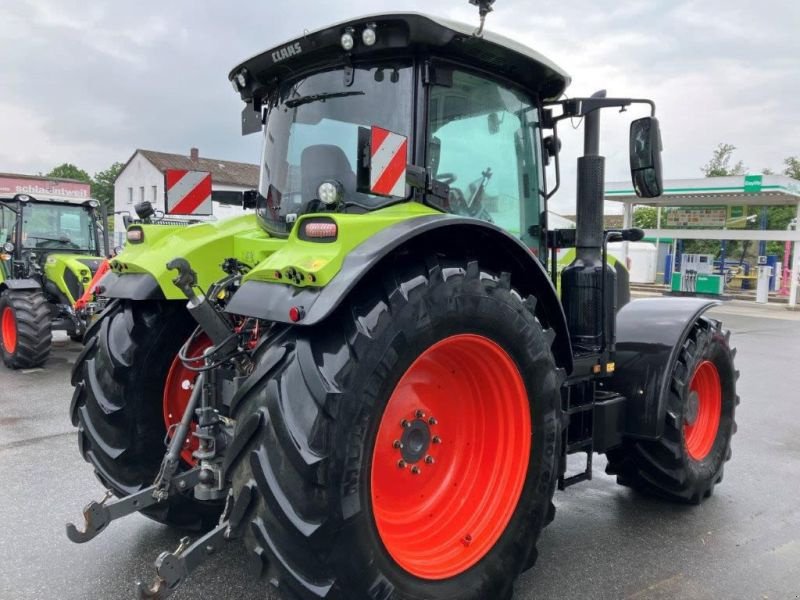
[
  {"x": 95, "y": 516},
  {"x": 173, "y": 568}
]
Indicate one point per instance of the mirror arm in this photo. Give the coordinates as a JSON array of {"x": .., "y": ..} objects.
[
  {"x": 650, "y": 103},
  {"x": 580, "y": 107},
  {"x": 557, "y": 158}
]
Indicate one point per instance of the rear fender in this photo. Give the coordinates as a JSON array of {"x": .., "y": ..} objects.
[
  {"x": 422, "y": 236},
  {"x": 19, "y": 284},
  {"x": 650, "y": 334}
]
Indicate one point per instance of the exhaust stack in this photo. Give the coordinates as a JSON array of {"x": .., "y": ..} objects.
[{"x": 588, "y": 284}]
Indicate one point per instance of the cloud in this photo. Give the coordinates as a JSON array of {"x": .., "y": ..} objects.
[{"x": 88, "y": 82}]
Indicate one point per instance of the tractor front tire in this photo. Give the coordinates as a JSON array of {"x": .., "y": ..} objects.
[
  {"x": 24, "y": 328},
  {"x": 117, "y": 406},
  {"x": 687, "y": 462},
  {"x": 405, "y": 448}
]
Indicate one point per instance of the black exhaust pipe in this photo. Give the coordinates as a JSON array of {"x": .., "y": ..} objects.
[{"x": 588, "y": 286}]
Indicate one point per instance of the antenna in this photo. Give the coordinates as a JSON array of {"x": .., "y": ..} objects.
[{"x": 484, "y": 8}]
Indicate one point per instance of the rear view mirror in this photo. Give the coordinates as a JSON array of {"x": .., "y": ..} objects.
[{"x": 645, "y": 150}]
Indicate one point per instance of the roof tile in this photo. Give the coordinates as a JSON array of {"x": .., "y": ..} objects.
[{"x": 226, "y": 172}]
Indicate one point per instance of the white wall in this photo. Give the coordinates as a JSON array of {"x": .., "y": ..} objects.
[
  {"x": 139, "y": 173},
  {"x": 221, "y": 211}
]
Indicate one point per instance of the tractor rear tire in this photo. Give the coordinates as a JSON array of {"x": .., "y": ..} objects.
[
  {"x": 117, "y": 406},
  {"x": 687, "y": 462},
  {"x": 450, "y": 360},
  {"x": 24, "y": 328}
]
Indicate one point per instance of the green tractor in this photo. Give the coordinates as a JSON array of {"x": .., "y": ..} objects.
[
  {"x": 50, "y": 252},
  {"x": 374, "y": 382}
]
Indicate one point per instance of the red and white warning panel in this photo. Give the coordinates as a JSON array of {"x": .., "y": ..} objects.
[
  {"x": 188, "y": 192},
  {"x": 388, "y": 161}
]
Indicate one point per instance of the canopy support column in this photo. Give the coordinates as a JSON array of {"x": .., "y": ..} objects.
[{"x": 795, "y": 264}]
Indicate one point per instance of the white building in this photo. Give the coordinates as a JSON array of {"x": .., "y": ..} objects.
[{"x": 142, "y": 178}]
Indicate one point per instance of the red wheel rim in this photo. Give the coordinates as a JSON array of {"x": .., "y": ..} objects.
[
  {"x": 177, "y": 391},
  {"x": 463, "y": 409},
  {"x": 9, "y": 329},
  {"x": 704, "y": 411}
]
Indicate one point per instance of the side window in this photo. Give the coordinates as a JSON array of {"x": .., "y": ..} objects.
[
  {"x": 7, "y": 221},
  {"x": 480, "y": 142}
]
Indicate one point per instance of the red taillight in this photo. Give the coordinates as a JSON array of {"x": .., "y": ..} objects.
[
  {"x": 296, "y": 313},
  {"x": 320, "y": 229}
]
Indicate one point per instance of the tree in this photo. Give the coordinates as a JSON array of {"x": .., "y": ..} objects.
[
  {"x": 645, "y": 217},
  {"x": 792, "y": 167},
  {"x": 103, "y": 185},
  {"x": 70, "y": 171},
  {"x": 720, "y": 163}
]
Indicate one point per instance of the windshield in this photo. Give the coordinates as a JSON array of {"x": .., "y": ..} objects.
[
  {"x": 57, "y": 226},
  {"x": 311, "y": 137}
]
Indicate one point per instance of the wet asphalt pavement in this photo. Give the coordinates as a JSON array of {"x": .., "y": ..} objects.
[{"x": 606, "y": 542}]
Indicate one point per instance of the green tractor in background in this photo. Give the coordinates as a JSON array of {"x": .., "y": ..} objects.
[
  {"x": 50, "y": 250},
  {"x": 374, "y": 382}
]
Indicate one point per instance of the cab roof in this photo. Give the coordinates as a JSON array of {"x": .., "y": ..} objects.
[
  {"x": 402, "y": 32},
  {"x": 9, "y": 198}
]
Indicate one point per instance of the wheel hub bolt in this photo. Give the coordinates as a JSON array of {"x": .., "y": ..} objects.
[
  {"x": 429, "y": 460},
  {"x": 432, "y": 421},
  {"x": 397, "y": 444},
  {"x": 415, "y": 470},
  {"x": 436, "y": 439},
  {"x": 405, "y": 423},
  {"x": 419, "y": 414},
  {"x": 401, "y": 464}
]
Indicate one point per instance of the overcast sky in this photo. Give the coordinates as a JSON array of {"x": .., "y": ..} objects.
[{"x": 89, "y": 81}]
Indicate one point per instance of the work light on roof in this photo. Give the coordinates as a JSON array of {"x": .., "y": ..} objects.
[
  {"x": 347, "y": 39},
  {"x": 241, "y": 78},
  {"x": 368, "y": 35}
]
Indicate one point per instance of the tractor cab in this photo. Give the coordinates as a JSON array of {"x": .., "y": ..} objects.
[
  {"x": 465, "y": 109},
  {"x": 40, "y": 237},
  {"x": 50, "y": 250}
]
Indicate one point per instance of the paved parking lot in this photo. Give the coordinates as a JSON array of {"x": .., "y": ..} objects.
[{"x": 606, "y": 542}]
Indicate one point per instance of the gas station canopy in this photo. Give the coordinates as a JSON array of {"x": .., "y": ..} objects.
[
  {"x": 715, "y": 209},
  {"x": 752, "y": 190}
]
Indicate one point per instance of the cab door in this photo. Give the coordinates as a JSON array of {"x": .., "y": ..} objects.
[{"x": 481, "y": 141}]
